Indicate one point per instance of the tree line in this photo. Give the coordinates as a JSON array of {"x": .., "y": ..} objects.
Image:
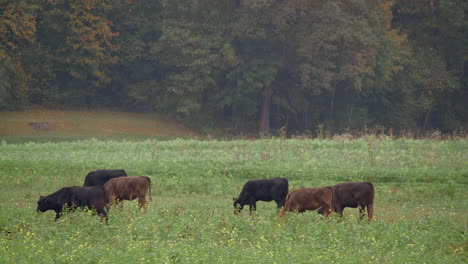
[{"x": 261, "y": 65}]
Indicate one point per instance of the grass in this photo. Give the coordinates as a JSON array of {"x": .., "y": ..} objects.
[
  {"x": 421, "y": 212},
  {"x": 86, "y": 124}
]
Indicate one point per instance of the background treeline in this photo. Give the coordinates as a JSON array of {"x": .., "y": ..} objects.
[{"x": 300, "y": 65}]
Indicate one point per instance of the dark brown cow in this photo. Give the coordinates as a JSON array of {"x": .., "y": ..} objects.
[
  {"x": 302, "y": 199},
  {"x": 128, "y": 188},
  {"x": 354, "y": 194}
]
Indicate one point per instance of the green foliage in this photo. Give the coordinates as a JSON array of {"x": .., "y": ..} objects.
[
  {"x": 8, "y": 77},
  {"x": 17, "y": 31},
  {"x": 76, "y": 43},
  {"x": 419, "y": 204},
  {"x": 436, "y": 32},
  {"x": 297, "y": 65}
]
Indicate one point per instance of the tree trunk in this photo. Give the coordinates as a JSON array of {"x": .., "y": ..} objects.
[{"x": 265, "y": 111}]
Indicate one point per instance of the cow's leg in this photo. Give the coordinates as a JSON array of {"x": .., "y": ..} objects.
[
  {"x": 370, "y": 210},
  {"x": 100, "y": 207},
  {"x": 326, "y": 210},
  {"x": 339, "y": 209},
  {"x": 252, "y": 207},
  {"x": 142, "y": 202},
  {"x": 281, "y": 212},
  {"x": 362, "y": 212},
  {"x": 111, "y": 201},
  {"x": 118, "y": 203},
  {"x": 280, "y": 203},
  {"x": 57, "y": 215},
  {"x": 102, "y": 213}
]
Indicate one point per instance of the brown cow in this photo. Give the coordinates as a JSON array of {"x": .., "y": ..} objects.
[
  {"x": 128, "y": 188},
  {"x": 354, "y": 194},
  {"x": 302, "y": 199}
]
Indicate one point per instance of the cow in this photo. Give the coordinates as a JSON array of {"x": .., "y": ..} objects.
[
  {"x": 262, "y": 190},
  {"x": 99, "y": 177},
  {"x": 128, "y": 188},
  {"x": 92, "y": 197},
  {"x": 306, "y": 198},
  {"x": 354, "y": 194}
]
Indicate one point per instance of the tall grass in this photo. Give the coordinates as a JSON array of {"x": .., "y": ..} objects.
[{"x": 420, "y": 206}]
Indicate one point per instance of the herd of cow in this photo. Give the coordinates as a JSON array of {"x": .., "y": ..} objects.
[
  {"x": 326, "y": 199},
  {"x": 104, "y": 188}
]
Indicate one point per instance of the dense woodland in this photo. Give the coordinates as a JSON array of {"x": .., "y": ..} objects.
[{"x": 256, "y": 65}]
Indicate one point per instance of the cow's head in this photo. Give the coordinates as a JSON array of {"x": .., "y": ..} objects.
[
  {"x": 43, "y": 204},
  {"x": 237, "y": 206},
  {"x": 321, "y": 210}
]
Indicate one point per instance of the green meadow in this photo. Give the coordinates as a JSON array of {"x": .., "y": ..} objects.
[{"x": 421, "y": 208}]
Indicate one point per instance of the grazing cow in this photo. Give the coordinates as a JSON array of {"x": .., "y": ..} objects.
[
  {"x": 99, "y": 177},
  {"x": 262, "y": 190},
  {"x": 302, "y": 199},
  {"x": 128, "y": 188},
  {"x": 354, "y": 194},
  {"x": 92, "y": 197}
]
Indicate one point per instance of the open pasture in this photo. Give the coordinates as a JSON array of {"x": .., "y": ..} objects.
[{"x": 421, "y": 208}]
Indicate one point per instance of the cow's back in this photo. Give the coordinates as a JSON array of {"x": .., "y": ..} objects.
[
  {"x": 307, "y": 198},
  {"x": 100, "y": 177},
  {"x": 62, "y": 197},
  {"x": 266, "y": 189},
  {"x": 310, "y": 195},
  {"x": 125, "y": 187},
  {"x": 89, "y": 195}
]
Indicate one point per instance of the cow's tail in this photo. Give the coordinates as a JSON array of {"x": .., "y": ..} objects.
[
  {"x": 373, "y": 189},
  {"x": 149, "y": 188},
  {"x": 287, "y": 197},
  {"x": 333, "y": 199},
  {"x": 370, "y": 205},
  {"x": 106, "y": 198},
  {"x": 286, "y": 191}
]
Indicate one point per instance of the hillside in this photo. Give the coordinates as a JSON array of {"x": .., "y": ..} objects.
[{"x": 45, "y": 125}]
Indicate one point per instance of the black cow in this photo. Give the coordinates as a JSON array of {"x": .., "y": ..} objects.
[
  {"x": 262, "y": 190},
  {"x": 92, "y": 197},
  {"x": 353, "y": 194},
  {"x": 99, "y": 177}
]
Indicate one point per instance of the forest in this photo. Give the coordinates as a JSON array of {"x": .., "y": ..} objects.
[{"x": 299, "y": 66}]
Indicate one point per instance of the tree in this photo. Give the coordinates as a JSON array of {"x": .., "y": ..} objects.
[
  {"x": 190, "y": 54},
  {"x": 437, "y": 34},
  {"x": 319, "y": 49},
  {"x": 81, "y": 42},
  {"x": 17, "y": 31}
]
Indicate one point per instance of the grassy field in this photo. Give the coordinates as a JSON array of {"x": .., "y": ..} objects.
[
  {"x": 85, "y": 124},
  {"x": 421, "y": 209}
]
